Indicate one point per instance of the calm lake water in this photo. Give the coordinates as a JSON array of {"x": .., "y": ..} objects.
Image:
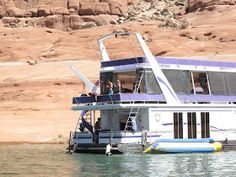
[{"x": 52, "y": 161}]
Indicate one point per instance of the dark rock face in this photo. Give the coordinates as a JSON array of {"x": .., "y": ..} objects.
[
  {"x": 62, "y": 14},
  {"x": 167, "y": 12},
  {"x": 194, "y": 5},
  {"x": 48, "y": 7}
]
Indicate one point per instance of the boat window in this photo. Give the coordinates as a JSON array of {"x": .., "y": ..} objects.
[
  {"x": 205, "y": 125},
  {"x": 179, "y": 80},
  {"x": 231, "y": 79},
  {"x": 192, "y": 125},
  {"x": 222, "y": 83},
  {"x": 126, "y": 82},
  {"x": 218, "y": 83},
  {"x": 105, "y": 78},
  {"x": 151, "y": 85},
  {"x": 200, "y": 83},
  {"x": 178, "y": 125}
]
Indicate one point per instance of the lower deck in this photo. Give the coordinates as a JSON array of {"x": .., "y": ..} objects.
[{"x": 139, "y": 126}]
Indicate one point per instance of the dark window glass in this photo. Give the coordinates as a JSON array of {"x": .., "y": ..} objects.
[
  {"x": 205, "y": 125},
  {"x": 178, "y": 125},
  {"x": 200, "y": 83},
  {"x": 192, "y": 125}
]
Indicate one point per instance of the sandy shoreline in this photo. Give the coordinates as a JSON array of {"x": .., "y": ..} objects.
[
  {"x": 36, "y": 101},
  {"x": 30, "y": 142}
]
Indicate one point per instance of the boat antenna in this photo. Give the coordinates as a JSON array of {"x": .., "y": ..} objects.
[
  {"x": 118, "y": 29},
  {"x": 100, "y": 20}
]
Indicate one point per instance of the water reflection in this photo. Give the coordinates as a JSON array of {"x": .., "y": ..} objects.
[
  {"x": 174, "y": 165},
  {"x": 192, "y": 165}
]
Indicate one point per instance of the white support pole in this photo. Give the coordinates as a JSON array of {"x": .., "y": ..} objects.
[
  {"x": 166, "y": 88},
  {"x": 103, "y": 51}
]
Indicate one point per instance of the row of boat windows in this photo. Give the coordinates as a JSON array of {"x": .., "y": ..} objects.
[
  {"x": 183, "y": 82},
  {"x": 192, "y": 125}
]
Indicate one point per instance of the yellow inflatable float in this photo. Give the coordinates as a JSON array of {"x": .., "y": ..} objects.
[{"x": 184, "y": 146}]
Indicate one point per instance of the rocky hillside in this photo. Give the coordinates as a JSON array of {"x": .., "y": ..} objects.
[
  {"x": 79, "y": 14},
  {"x": 168, "y": 13},
  {"x": 70, "y": 15}
]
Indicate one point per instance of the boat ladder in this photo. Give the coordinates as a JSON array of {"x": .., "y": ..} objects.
[
  {"x": 131, "y": 120},
  {"x": 138, "y": 81}
]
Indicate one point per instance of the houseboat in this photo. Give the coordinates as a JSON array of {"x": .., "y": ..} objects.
[{"x": 144, "y": 99}]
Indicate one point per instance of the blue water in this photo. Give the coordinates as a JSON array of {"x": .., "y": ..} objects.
[{"x": 52, "y": 160}]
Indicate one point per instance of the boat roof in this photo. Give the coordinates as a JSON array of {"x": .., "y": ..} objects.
[
  {"x": 182, "y": 61},
  {"x": 168, "y": 63}
]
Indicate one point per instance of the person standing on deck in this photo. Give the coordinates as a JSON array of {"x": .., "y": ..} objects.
[
  {"x": 94, "y": 90},
  {"x": 117, "y": 87},
  {"x": 110, "y": 88},
  {"x": 97, "y": 128},
  {"x": 97, "y": 125}
]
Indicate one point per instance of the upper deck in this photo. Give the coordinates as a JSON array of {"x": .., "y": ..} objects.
[{"x": 219, "y": 78}]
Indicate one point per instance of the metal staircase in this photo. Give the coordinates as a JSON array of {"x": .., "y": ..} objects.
[{"x": 131, "y": 120}]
